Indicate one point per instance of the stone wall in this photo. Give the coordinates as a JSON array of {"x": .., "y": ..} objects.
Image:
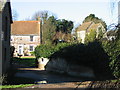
[
  {"x": 42, "y": 62},
  {"x": 61, "y": 66}
]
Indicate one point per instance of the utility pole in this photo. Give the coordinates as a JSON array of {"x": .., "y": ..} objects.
[
  {"x": 38, "y": 19},
  {"x": 41, "y": 38},
  {"x": 119, "y": 13}
]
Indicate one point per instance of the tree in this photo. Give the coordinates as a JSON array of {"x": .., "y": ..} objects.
[
  {"x": 14, "y": 15},
  {"x": 51, "y": 26},
  {"x": 100, "y": 33},
  {"x": 41, "y": 15},
  {"x": 95, "y": 19},
  {"x": 64, "y": 26},
  {"x": 63, "y": 30},
  {"x": 90, "y": 37},
  {"x": 49, "y": 29}
]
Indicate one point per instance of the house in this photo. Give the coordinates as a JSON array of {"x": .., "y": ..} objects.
[
  {"x": 60, "y": 37},
  {"x": 25, "y": 36},
  {"x": 86, "y": 27},
  {"x": 111, "y": 35},
  {"x": 5, "y": 28}
]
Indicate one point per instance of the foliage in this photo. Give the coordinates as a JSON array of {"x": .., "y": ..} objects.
[
  {"x": 2, "y": 78},
  {"x": 113, "y": 50},
  {"x": 46, "y": 50},
  {"x": 64, "y": 26},
  {"x": 100, "y": 34},
  {"x": 43, "y": 50},
  {"x": 50, "y": 26},
  {"x": 63, "y": 30},
  {"x": 42, "y": 15},
  {"x": 48, "y": 30},
  {"x": 16, "y": 86},
  {"x": 90, "y": 37},
  {"x": 28, "y": 62},
  {"x": 95, "y": 19},
  {"x": 32, "y": 53}
]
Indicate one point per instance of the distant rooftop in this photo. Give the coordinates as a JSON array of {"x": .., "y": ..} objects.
[{"x": 25, "y": 28}]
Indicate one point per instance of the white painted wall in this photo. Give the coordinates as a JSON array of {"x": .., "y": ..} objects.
[
  {"x": 24, "y": 41},
  {"x": 81, "y": 35},
  {"x": 42, "y": 62},
  {"x": 24, "y": 38}
]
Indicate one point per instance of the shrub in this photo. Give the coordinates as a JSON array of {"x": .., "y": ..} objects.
[
  {"x": 46, "y": 50},
  {"x": 113, "y": 50}
]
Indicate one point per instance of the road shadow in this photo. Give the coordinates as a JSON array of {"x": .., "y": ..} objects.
[{"x": 43, "y": 77}]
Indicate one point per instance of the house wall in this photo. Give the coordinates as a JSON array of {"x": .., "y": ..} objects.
[
  {"x": 81, "y": 36},
  {"x": 22, "y": 44},
  {"x": 6, "y": 26},
  {"x": 98, "y": 31}
]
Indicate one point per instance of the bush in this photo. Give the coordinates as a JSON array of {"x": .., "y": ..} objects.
[
  {"x": 46, "y": 50},
  {"x": 113, "y": 50}
]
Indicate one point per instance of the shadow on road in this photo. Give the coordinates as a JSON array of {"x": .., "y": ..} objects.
[{"x": 43, "y": 76}]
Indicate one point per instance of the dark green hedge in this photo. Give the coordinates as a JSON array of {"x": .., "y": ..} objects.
[{"x": 112, "y": 48}]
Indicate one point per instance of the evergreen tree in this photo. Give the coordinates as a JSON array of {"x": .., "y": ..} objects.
[{"x": 95, "y": 19}]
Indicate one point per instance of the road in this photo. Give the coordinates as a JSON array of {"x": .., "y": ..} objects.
[{"x": 45, "y": 79}]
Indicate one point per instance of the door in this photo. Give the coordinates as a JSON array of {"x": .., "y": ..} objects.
[{"x": 20, "y": 49}]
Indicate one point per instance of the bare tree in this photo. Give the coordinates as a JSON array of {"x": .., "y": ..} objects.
[{"x": 42, "y": 15}]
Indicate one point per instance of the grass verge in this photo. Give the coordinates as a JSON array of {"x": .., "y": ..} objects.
[
  {"x": 28, "y": 62},
  {"x": 16, "y": 86}
]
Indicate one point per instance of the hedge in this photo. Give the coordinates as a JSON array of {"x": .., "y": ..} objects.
[
  {"x": 46, "y": 50},
  {"x": 112, "y": 48}
]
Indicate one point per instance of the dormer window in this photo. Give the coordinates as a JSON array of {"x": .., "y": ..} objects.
[{"x": 31, "y": 38}]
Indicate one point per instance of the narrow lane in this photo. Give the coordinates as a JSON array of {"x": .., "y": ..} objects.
[{"x": 48, "y": 77}]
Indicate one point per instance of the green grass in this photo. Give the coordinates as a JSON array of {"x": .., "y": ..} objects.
[
  {"x": 28, "y": 62},
  {"x": 16, "y": 86},
  {"x": 116, "y": 80}
]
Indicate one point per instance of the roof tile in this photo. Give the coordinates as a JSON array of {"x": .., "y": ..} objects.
[{"x": 25, "y": 28}]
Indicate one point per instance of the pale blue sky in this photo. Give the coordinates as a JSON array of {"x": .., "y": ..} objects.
[{"x": 75, "y": 11}]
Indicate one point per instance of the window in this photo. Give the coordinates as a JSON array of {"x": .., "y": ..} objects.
[
  {"x": 31, "y": 38},
  {"x": 31, "y": 48}
]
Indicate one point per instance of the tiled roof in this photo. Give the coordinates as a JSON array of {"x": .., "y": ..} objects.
[
  {"x": 93, "y": 27},
  {"x": 88, "y": 26},
  {"x": 25, "y": 28},
  {"x": 84, "y": 26}
]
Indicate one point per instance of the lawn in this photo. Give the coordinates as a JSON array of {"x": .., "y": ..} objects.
[
  {"x": 16, "y": 86},
  {"x": 26, "y": 61}
]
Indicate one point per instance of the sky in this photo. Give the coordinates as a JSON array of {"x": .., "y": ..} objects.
[{"x": 74, "y": 10}]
